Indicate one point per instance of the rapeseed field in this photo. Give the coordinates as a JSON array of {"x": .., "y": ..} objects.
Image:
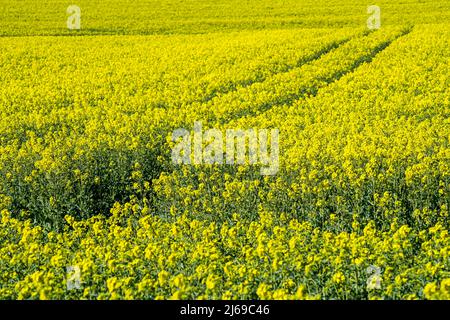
[{"x": 92, "y": 205}]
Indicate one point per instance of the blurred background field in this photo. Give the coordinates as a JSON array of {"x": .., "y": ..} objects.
[{"x": 33, "y": 17}]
